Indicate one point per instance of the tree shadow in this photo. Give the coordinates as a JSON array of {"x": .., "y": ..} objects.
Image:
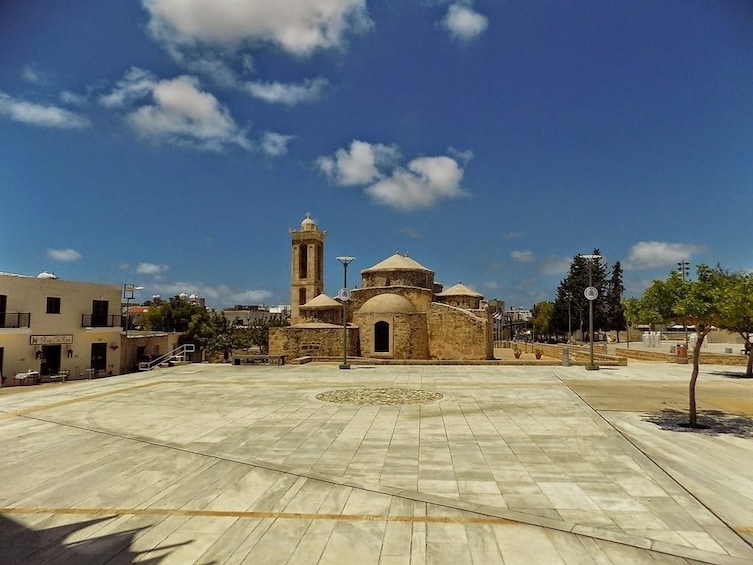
[
  {"x": 710, "y": 422},
  {"x": 732, "y": 374},
  {"x": 21, "y": 544}
]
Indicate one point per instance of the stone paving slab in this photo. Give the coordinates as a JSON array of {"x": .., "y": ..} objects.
[{"x": 201, "y": 464}]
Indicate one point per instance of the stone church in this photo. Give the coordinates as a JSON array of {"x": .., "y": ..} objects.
[{"x": 398, "y": 312}]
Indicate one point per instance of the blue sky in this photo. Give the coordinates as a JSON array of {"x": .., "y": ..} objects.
[{"x": 171, "y": 144}]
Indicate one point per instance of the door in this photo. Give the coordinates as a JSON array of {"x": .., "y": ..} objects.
[
  {"x": 99, "y": 356},
  {"x": 50, "y": 360},
  {"x": 381, "y": 337},
  {"x": 99, "y": 313}
]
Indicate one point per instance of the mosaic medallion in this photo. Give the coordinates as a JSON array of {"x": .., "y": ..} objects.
[{"x": 364, "y": 396}]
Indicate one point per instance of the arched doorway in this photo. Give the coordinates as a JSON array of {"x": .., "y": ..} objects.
[{"x": 382, "y": 337}]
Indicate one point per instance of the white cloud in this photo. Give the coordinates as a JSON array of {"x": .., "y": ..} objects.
[
  {"x": 523, "y": 256},
  {"x": 275, "y": 144},
  {"x": 219, "y": 296},
  {"x": 288, "y": 94},
  {"x": 180, "y": 112},
  {"x": 30, "y": 75},
  {"x": 554, "y": 265},
  {"x": 151, "y": 268},
  {"x": 464, "y": 23},
  {"x": 137, "y": 83},
  {"x": 296, "y": 27},
  {"x": 360, "y": 164},
  {"x": 71, "y": 98},
  {"x": 425, "y": 181},
  {"x": 64, "y": 255},
  {"x": 652, "y": 254},
  {"x": 39, "y": 115}
]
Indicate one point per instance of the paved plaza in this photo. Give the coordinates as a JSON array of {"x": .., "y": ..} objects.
[{"x": 309, "y": 464}]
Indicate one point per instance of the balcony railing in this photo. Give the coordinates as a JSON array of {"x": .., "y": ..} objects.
[
  {"x": 100, "y": 321},
  {"x": 15, "y": 319}
]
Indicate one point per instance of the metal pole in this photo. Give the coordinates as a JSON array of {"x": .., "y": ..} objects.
[
  {"x": 591, "y": 365},
  {"x": 345, "y": 262}
]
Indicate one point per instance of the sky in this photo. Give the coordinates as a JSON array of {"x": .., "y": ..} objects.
[{"x": 172, "y": 144}]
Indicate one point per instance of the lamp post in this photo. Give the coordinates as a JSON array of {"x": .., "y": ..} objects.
[
  {"x": 128, "y": 293},
  {"x": 344, "y": 295},
  {"x": 591, "y": 293},
  {"x": 569, "y": 317},
  {"x": 684, "y": 268}
]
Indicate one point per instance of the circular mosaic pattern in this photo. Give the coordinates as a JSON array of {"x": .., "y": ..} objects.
[{"x": 379, "y": 396}]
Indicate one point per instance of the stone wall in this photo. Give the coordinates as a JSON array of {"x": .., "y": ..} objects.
[
  {"x": 316, "y": 342},
  {"x": 408, "y": 335},
  {"x": 421, "y": 279},
  {"x": 420, "y": 297},
  {"x": 455, "y": 333}
]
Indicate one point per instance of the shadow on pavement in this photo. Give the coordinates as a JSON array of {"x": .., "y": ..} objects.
[
  {"x": 732, "y": 374},
  {"x": 21, "y": 544},
  {"x": 711, "y": 422}
]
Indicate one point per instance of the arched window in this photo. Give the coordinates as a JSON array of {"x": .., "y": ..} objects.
[
  {"x": 301, "y": 296},
  {"x": 382, "y": 337}
]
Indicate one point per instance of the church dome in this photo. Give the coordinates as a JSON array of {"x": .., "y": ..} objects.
[
  {"x": 397, "y": 262},
  {"x": 387, "y": 304},
  {"x": 308, "y": 224}
]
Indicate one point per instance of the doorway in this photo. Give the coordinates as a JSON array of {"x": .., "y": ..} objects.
[
  {"x": 382, "y": 337},
  {"x": 50, "y": 360},
  {"x": 98, "y": 356}
]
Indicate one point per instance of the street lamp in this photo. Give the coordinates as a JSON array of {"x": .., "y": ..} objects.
[
  {"x": 344, "y": 295},
  {"x": 684, "y": 268},
  {"x": 569, "y": 317},
  {"x": 128, "y": 294},
  {"x": 591, "y": 293}
]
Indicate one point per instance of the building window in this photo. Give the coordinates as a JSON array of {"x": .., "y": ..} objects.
[
  {"x": 303, "y": 263},
  {"x": 301, "y": 296},
  {"x": 53, "y": 305}
]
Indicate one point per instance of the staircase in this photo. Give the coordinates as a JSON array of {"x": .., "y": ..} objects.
[{"x": 175, "y": 357}]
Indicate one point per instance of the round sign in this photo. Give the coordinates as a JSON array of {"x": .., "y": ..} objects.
[
  {"x": 344, "y": 294},
  {"x": 591, "y": 293}
]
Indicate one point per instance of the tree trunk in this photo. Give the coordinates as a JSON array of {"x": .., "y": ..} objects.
[{"x": 692, "y": 416}]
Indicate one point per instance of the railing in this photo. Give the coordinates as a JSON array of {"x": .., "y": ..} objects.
[
  {"x": 15, "y": 319},
  {"x": 177, "y": 355},
  {"x": 100, "y": 321}
]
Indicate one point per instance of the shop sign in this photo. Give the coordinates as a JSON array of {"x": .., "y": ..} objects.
[{"x": 65, "y": 339}]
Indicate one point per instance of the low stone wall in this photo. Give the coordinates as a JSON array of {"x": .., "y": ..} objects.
[{"x": 705, "y": 359}]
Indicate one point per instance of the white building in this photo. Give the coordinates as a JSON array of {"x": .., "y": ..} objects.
[{"x": 50, "y": 325}]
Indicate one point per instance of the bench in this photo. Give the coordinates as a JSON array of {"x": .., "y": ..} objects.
[
  {"x": 62, "y": 376},
  {"x": 277, "y": 359}
]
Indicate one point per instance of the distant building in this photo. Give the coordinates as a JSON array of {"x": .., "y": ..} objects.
[
  {"x": 399, "y": 311},
  {"x": 51, "y": 325}
]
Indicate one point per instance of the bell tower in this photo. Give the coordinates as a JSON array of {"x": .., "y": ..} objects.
[{"x": 306, "y": 265}]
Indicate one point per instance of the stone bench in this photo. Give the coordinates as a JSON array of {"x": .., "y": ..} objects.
[{"x": 276, "y": 359}]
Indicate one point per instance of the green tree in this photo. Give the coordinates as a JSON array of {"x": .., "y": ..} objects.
[
  {"x": 542, "y": 318},
  {"x": 258, "y": 333},
  {"x": 173, "y": 315},
  {"x": 736, "y": 304},
  {"x": 571, "y": 306},
  {"x": 615, "y": 310},
  {"x": 213, "y": 333},
  {"x": 695, "y": 303}
]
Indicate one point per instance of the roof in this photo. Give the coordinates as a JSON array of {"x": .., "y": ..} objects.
[
  {"x": 460, "y": 290},
  {"x": 387, "y": 303},
  {"x": 322, "y": 301},
  {"x": 398, "y": 262}
]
